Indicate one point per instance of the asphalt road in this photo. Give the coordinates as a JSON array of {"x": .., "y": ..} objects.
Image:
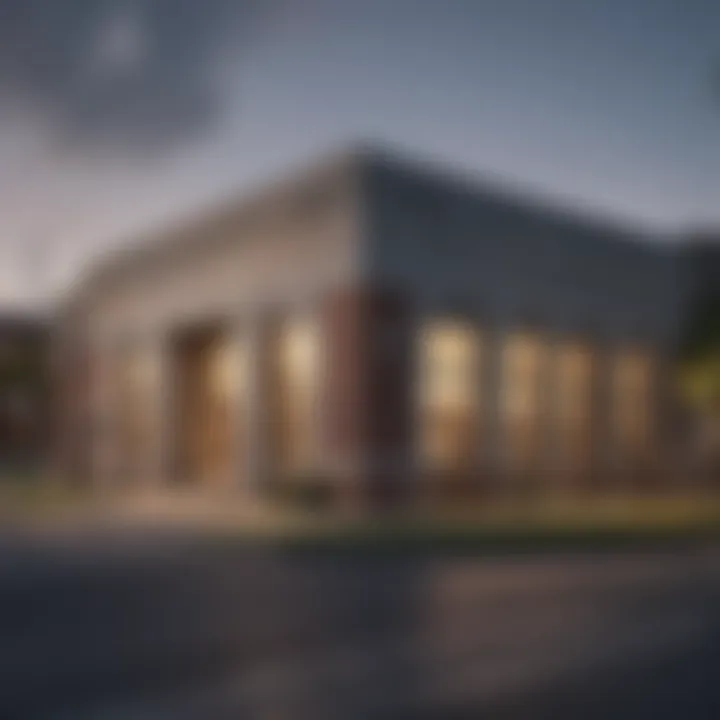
[{"x": 162, "y": 625}]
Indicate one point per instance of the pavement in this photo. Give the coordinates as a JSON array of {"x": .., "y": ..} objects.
[{"x": 155, "y": 622}]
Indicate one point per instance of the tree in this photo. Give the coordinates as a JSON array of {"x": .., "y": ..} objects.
[{"x": 699, "y": 376}]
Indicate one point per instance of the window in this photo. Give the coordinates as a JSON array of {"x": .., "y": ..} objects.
[
  {"x": 449, "y": 395},
  {"x": 632, "y": 404},
  {"x": 222, "y": 405},
  {"x": 298, "y": 378},
  {"x": 228, "y": 366},
  {"x": 521, "y": 400}
]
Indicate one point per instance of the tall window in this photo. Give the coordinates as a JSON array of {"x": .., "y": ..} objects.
[
  {"x": 222, "y": 406},
  {"x": 633, "y": 404},
  {"x": 449, "y": 395},
  {"x": 573, "y": 407},
  {"x": 297, "y": 385},
  {"x": 521, "y": 401}
]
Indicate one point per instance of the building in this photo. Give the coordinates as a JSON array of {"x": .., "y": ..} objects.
[{"x": 379, "y": 324}]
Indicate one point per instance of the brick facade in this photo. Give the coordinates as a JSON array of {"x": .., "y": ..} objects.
[{"x": 367, "y": 423}]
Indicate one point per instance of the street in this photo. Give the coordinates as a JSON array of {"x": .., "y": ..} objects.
[{"x": 161, "y": 624}]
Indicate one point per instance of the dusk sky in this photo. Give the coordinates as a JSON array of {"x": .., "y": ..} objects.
[{"x": 121, "y": 116}]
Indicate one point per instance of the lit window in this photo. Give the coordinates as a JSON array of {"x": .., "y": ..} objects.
[
  {"x": 228, "y": 369},
  {"x": 227, "y": 382},
  {"x": 298, "y": 379},
  {"x": 449, "y": 395},
  {"x": 632, "y": 403},
  {"x": 521, "y": 406}
]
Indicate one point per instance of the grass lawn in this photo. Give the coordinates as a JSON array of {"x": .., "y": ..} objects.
[
  {"x": 30, "y": 497},
  {"x": 607, "y": 523},
  {"x": 600, "y": 524}
]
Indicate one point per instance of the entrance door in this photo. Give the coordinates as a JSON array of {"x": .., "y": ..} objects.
[{"x": 209, "y": 379}]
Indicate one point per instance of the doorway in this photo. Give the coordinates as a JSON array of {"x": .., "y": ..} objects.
[{"x": 209, "y": 387}]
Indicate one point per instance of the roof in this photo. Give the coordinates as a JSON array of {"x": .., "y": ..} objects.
[{"x": 203, "y": 230}]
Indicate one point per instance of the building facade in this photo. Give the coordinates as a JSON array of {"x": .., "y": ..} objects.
[{"x": 385, "y": 327}]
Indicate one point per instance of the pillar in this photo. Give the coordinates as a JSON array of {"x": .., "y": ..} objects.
[
  {"x": 253, "y": 455},
  {"x": 367, "y": 413},
  {"x": 158, "y": 463}
]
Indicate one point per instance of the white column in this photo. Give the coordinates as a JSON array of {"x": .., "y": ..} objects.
[
  {"x": 156, "y": 465},
  {"x": 255, "y": 403},
  {"x": 242, "y": 381}
]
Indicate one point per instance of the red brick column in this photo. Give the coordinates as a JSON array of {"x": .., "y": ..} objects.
[{"x": 367, "y": 417}]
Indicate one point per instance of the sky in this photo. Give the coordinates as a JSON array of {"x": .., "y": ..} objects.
[{"x": 120, "y": 116}]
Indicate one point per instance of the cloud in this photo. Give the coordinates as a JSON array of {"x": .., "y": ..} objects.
[{"x": 136, "y": 73}]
